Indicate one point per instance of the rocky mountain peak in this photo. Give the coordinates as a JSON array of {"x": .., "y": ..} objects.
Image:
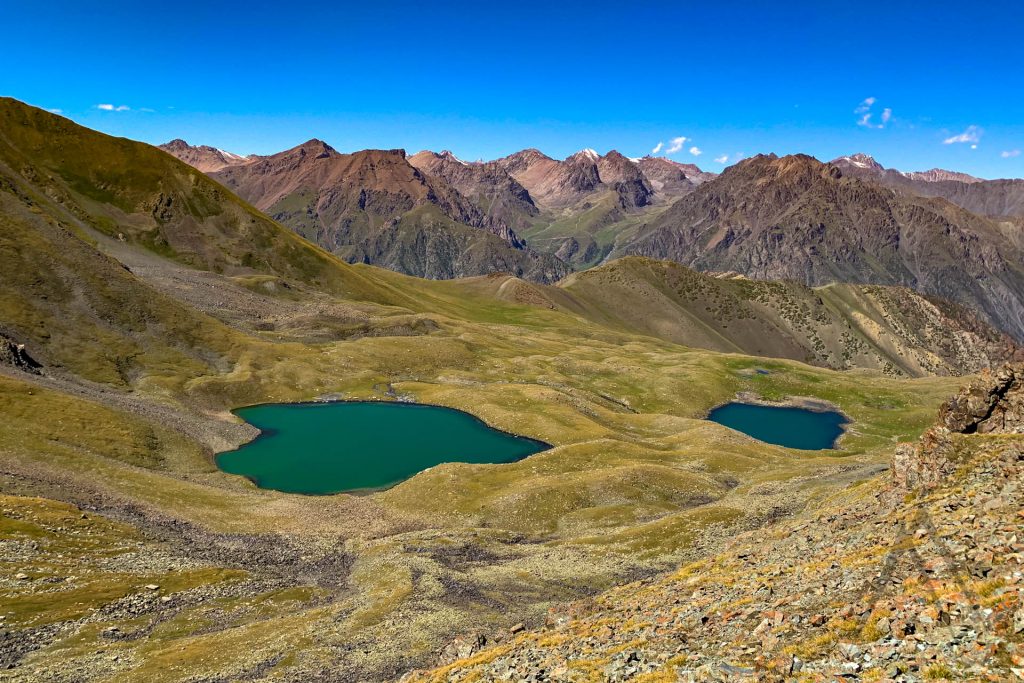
[
  {"x": 859, "y": 160},
  {"x": 203, "y": 157},
  {"x": 584, "y": 155},
  {"x": 450, "y": 156},
  {"x": 315, "y": 148},
  {"x": 175, "y": 144}
]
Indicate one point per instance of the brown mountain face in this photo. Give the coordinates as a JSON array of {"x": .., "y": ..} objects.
[
  {"x": 203, "y": 157},
  {"x": 672, "y": 177},
  {"x": 374, "y": 207},
  {"x": 626, "y": 178},
  {"x": 583, "y": 177},
  {"x": 796, "y": 218},
  {"x": 505, "y": 204},
  {"x": 985, "y": 197},
  {"x": 554, "y": 183},
  {"x": 667, "y": 177}
]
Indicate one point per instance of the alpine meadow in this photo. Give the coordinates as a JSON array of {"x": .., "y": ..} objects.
[{"x": 447, "y": 343}]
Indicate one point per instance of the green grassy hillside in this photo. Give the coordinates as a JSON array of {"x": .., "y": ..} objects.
[{"x": 147, "y": 344}]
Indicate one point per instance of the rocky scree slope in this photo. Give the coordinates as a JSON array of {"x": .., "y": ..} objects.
[
  {"x": 795, "y": 218},
  {"x": 897, "y": 579}
]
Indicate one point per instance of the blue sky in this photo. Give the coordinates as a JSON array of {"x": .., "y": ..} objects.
[{"x": 486, "y": 79}]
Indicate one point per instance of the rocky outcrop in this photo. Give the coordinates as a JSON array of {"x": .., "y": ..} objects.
[
  {"x": 15, "y": 355},
  {"x": 991, "y": 404}
]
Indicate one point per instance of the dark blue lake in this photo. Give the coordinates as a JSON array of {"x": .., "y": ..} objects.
[{"x": 784, "y": 426}]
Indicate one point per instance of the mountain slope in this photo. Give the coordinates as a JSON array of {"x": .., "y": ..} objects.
[
  {"x": 133, "y": 192},
  {"x": 65, "y": 191},
  {"x": 796, "y": 218},
  {"x": 374, "y": 207},
  {"x": 984, "y": 197},
  {"x": 840, "y": 326}
]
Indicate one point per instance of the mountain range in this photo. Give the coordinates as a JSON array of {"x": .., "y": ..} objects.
[
  {"x": 59, "y": 202},
  {"x": 995, "y": 198},
  {"x": 142, "y": 301},
  {"x": 941, "y": 233}
]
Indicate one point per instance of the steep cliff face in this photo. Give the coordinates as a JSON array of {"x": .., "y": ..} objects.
[{"x": 796, "y": 218}]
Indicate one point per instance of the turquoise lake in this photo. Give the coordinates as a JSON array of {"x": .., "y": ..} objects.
[
  {"x": 320, "y": 448},
  {"x": 783, "y": 425}
]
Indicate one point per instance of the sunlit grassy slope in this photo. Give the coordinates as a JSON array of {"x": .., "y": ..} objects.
[{"x": 149, "y": 341}]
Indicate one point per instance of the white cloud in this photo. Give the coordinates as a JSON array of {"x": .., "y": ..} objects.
[
  {"x": 55, "y": 111},
  {"x": 724, "y": 159},
  {"x": 111, "y": 107},
  {"x": 864, "y": 111},
  {"x": 865, "y": 105},
  {"x": 696, "y": 151},
  {"x": 676, "y": 144},
  {"x": 971, "y": 134},
  {"x": 974, "y": 147},
  {"x": 1010, "y": 153},
  {"x": 657, "y": 148}
]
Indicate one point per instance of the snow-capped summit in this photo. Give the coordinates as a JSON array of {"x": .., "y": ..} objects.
[
  {"x": 586, "y": 153},
  {"x": 861, "y": 160},
  {"x": 447, "y": 154}
]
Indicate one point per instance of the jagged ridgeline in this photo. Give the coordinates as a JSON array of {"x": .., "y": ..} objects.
[{"x": 375, "y": 207}]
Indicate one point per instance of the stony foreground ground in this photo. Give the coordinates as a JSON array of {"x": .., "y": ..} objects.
[{"x": 901, "y": 578}]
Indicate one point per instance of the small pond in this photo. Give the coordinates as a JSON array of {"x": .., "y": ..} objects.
[
  {"x": 319, "y": 448},
  {"x": 783, "y": 425}
]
